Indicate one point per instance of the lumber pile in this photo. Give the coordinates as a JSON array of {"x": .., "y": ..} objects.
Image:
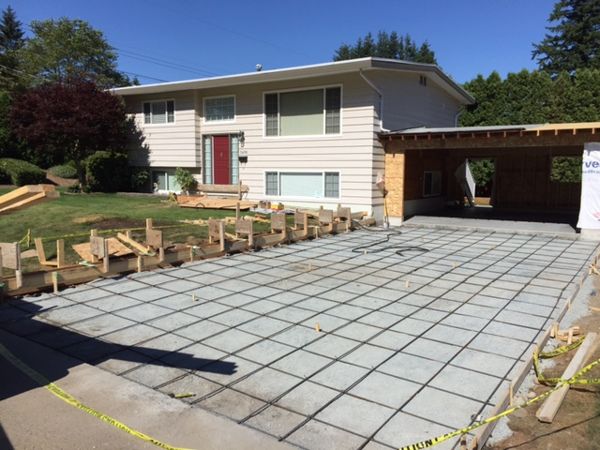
[
  {"x": 26, "y": 196},
  {"x": 205, "y": 202}
]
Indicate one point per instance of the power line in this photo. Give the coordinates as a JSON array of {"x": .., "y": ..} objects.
[
  {"x": 228, "y": 30},
  {"x": 156, "y": 59},
  {"x": 145, "y": 76}
]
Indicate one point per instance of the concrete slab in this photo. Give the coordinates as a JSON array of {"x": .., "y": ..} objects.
[{"x": 398, "y": 336}]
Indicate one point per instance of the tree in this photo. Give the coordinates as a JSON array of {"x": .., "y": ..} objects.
[
  {"x": 72, "y": 120},
  {"x": 11, "y": 41},
  {"x": 574, "y": 39},
  {"x": 387, "y": 46},
  {"x": 66, "y": 49}
]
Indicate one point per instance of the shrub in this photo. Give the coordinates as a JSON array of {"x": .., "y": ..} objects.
[
  {"x": 4, "y": 176},
  {"x": 107, "y": 172},
  {"x": 140, "y": 180},
  {"x": 21, "y": 172},
  {"x": 63, "y": 171},
  {"x": 185, "y": 180}
]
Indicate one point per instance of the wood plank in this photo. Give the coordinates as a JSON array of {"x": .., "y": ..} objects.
[
  {"x": 11, "y": 255},
  {"x": 136, "y": 245},
  {"x": 551, "y": 405},
  {"x": 154, "y": 238},
  {"x": 278, "y": 222},
  {"x": 115, "y": 248},
  {"x": 223, "y": 188},
  {"x": 326, "y": 216},
  {"x": 60, "y": 253}
]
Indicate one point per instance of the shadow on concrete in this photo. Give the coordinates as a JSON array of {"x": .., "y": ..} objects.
[
  {"x": 4, "y": 440},
  {"x": 20, "y": 321}
]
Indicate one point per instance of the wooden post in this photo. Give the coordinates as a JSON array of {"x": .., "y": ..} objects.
[
  {"x": 128, "y": 234},
  {"x": 161, "y": 254},
  {"x": 149, "y": 224},
  {"x": 239, "y": 193},
  {"x": 237, "y": 211},
  {"x": 55, "y": 282},
  {"x": 140, "y": 263},
  {"x": 106, "y": 258},
  {"x": 222, "y": 236},
  {"x": 93, "y": 234},
  {"x": 60, "y": 253},
  {"x": 19, "y": 278}
]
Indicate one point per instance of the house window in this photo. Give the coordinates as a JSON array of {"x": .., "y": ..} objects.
[
  {"x": 219, "y": 109},
  {"x": 159, "y": 112},
  {"x": 303, "y": 184},
  {"x": 432, "y": 183},
  {"x": 303, "y": 113},
  {"x": 164, "y": 181}
]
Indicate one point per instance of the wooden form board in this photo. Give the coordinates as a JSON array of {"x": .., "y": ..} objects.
[
  {"x": 154, "y": 238},
  {"x": 278, "y": 222},
  {"x": 11, "y": 255},
  {"x": 326, "y": 216},
  {"x": 549, "y": 408},
  {"x": 203, "y": 202},
  {"x": 30, "y": 282}
]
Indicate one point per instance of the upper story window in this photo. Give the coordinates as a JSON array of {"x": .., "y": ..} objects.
[
  {"x": 160, "y": 111},
  {"x": 219, "y": 109},
  {"x": 303, "y": 113}
]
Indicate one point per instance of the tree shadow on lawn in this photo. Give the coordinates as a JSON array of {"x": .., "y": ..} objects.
[{"x": 18, "y": 317}]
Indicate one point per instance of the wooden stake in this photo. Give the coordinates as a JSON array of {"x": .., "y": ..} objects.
[
  {"x": 19, "y": 278},
  {"x": 93, "y": 233},
  {"x": 55, "y": 282},
  {"x": 60, "y": 253},
  {"x": 140, "y": 263},
  {"x": 149, "y": 224},
  {"x": 161, "y": 254},
  {"x": 191, "y": 253},
  {"x": 237, "y": 211},
  {"x": 317, "y": 327},
  {"x": 106, "y": 259},
  {"x": 549, "y": 408}
]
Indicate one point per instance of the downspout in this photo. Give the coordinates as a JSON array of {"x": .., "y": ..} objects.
[
  {"x": 379, "y": 94},
  {"x": 457, "y": 116},
  {"x": 386, "y": 219}
]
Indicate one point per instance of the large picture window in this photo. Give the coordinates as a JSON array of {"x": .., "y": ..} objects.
[
  {"x": 159, "y": 112},
  {"x": 303, "y": 184},
  {"x": 303, "y": 113}
]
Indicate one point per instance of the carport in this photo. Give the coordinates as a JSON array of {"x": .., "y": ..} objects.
[{"x": 421, "y": 166}]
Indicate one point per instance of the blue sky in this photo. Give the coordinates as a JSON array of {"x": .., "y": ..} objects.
[{"x": 192, "y": 39}]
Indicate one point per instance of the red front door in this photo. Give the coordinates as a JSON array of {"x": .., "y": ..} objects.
[{"x": 222, "y": 159}]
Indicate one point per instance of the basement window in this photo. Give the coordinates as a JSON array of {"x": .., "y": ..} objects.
[
  {"x": 432, "y": 183},
  {"x": 303, "y": 184}
]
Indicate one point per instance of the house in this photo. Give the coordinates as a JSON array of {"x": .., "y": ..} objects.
[{"x": 303, "y": 136}]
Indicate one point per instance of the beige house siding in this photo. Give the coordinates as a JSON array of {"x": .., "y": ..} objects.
[
  {"x": 408, "y": 104},
  {"x": 350, "y": 153},
  {"x": 172, "y": 144}
]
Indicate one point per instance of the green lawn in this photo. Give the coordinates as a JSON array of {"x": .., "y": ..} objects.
[{"x": 78, "y": 213}]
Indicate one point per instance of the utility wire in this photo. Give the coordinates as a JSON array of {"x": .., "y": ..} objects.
[{"x": 163, "y": 62}]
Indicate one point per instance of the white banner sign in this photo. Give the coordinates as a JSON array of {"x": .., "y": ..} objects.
[{"x": 589, "y": 211}]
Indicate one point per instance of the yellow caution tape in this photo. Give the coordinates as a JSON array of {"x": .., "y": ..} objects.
[
  {"x": 559, "y": 382},
  {"x": 68, "y": 398},
  {"x": 26, "y": 239}
]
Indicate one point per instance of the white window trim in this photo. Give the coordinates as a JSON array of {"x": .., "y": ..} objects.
[
  {"x": 165, "y": 100},
  {"x": 437, "y": 194},
  {"x": 301, "y": 198},
  {"x": 304, "y": 136},
  {"x": 204, "y": 121}
]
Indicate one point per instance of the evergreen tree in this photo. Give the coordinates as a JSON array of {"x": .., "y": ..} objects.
[
  {"x": 389, "y": 46},
  {"x": 11, "y": 41},
  {"x": 574, "y": 39}
]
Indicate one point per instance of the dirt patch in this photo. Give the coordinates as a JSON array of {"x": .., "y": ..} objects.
[
  {"x": 577, "y": 424},
  {"x": 90, "y": 219}
]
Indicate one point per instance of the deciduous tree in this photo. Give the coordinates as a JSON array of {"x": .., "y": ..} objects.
[{"x": 72, "y": 120}]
